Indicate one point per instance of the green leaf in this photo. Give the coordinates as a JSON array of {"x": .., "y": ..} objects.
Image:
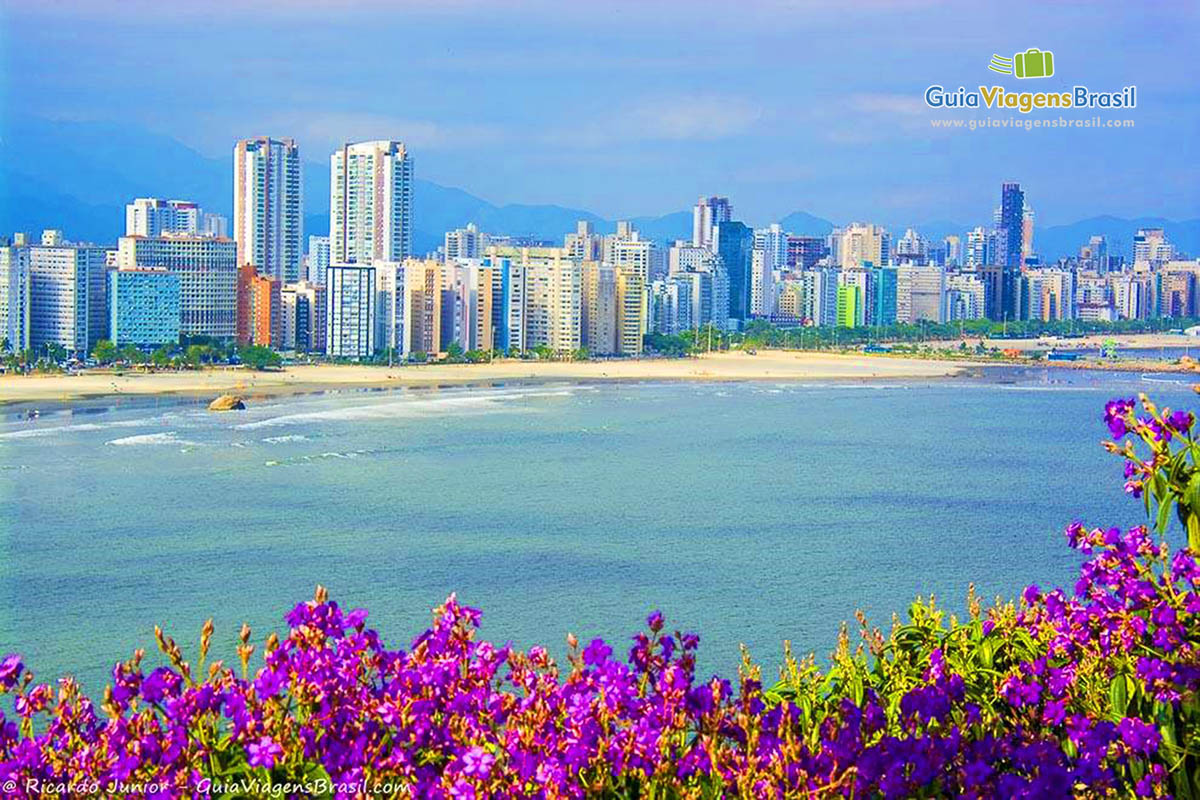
[
  {"x": 1118, "y": 696},
  {"x": 1164, "y": 515}
]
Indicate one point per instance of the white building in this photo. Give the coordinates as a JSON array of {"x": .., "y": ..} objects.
[
  {"x": 207, "y": 269},
  {"x": 370, "y": 203},
  {"x": 820, "y": 296},
  {"x": 389, "y": 283},
  {"x": 268, "y": 209},
  {"x": 351, "y": 311},
  {"x": 14, "y": 296},
  {"x": 466, "y": 242},
  {"x": 773, "y": 241},
  {"x": 862, "y": 244},
  {"x": 67, "y": 294},
  {"x": 1150, "y": 247},
  {"x": 920, "y": 294},
  {"x": 709, "y": 211},
  {"x": 965, "y": 297},
  {"x": 317, "y": 260},
  {"x": 584, "y": 244}
]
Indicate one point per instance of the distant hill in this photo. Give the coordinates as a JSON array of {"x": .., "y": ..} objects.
[
  {"x": 1057, "y": 241},
  {"x": 78, "y": 176}
]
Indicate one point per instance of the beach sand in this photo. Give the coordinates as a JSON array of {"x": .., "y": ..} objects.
[{"x": 767, "y": 365}]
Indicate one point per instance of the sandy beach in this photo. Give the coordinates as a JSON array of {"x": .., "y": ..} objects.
[{"x": 766, "y": 365}]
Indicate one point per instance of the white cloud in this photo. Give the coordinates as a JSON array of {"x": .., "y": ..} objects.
[
  {"x": 707, "y": 117},
  {"x": 908, "y": 105}
]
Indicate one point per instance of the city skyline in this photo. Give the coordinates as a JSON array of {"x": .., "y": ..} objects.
[{"x": 523, "y": 118}]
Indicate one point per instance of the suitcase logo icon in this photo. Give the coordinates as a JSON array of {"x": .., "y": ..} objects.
[{"x": 1033, "y": 63}]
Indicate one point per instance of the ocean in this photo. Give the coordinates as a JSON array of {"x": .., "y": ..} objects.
[{"x": 747, "y": 512}]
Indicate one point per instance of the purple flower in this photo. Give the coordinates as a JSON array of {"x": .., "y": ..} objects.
[
  {"x": 596, "y": 653},
  {"x": 1181, "y": 421},
  {"x": 10, "y": 670},
  {"x": 1139, "y": 736},
  {"x": 1115, "y": 413},
  {"x": 655, "y": 621},
  {"x": 263, "y": 753},
  {"x": 477, "y": 763}
]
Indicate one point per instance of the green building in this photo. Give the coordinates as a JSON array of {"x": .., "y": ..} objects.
[{"x": 849, "y": 306}]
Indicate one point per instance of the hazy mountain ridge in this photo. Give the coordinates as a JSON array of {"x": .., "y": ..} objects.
[{"x": 87, "y": 171}]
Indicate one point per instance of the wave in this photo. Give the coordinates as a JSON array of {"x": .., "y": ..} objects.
[
  {"x": 163, "y": 437},
  {"x": 51, "y": 430},
  {"x": 291, "y": 437},
  {"x": 412, "y": 406}
]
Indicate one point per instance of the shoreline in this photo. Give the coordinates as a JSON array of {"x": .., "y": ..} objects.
[{"x": 767, "y": 365}]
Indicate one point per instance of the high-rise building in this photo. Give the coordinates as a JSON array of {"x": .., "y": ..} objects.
[
  {"x": 471, "y": 286},
  {"x": 1151, "y": 248},
  {"x": 863, "y": 300},
  {"x": 584, "y": 244},
  {"x": 266, "y": 311},
  {"x": 803, "y": 252},
  {"x": 350, "y": 311},
  {"x": 862, "y": 245},
  {"x": 885, "y": 303},
  {"x": 920, "y": 294},
  {"x": 208, "y": 278},
  {"x": 370, "y": 203},
  {"x": 303, "y": 308},
  {"x": 820, "y": 296},
  {"x": 1011, "y": 230},
  {"x": 143, "y": 307},
  {"x": 68, "y": 294},
  {"x": 912, "y": 248},
  {"x": 1027, "y": 251},
  {"x": 978, "y": 252},
  {"x": 154, "y": 216},
  {"x": 733, "y": 243},
  {"x": 545, "y": 288},
  {"x": 631, "y": 311},
  {"x": 849, "y": 306},
  {"x": 392, "y": 305},
  {"x": 773, "y": 241},
  {"x": 965, "y": 297},
  {"x": 14, "y": 297},
  {"x": 598, "y": 308},
  {"x": 268, "y": 208},
  {"x": 424, "y": 291},
  {"x": 317, "y": 259},
  {"x": 466, "y": 242},
  {"x": 954, "y": 255},
  {"x": 709, "y": 212}
]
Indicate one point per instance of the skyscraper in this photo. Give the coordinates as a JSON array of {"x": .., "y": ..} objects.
[
  {"x": 709, "y": 211},
  {"x": 860, "y": 245},
  {"x": 317, "y": 260},
  {"x": 14, "y": 296},
  {"x": 1011, "y": 229},
  {"x": 268, "y": 209},
  {"x": 67, "y": 294},
  {"x": 351, "y": 309},
  {"x": 733, "y": 242},
  {"x": 370, "y": 203}
]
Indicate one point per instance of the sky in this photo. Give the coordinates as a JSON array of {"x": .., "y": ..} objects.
[{"x": 630, "y": 109}]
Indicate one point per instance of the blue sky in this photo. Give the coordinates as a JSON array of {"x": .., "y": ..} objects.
[{"x": 636, "y": 108}]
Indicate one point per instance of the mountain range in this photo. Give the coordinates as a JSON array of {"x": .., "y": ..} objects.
[{"x": 78, "y": 176}]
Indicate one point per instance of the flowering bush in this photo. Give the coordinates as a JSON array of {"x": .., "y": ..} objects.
[{"x": 1087, "y": 693}]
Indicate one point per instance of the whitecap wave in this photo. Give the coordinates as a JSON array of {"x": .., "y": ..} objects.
[
  {"x": 416, "y": 405},
  {"x": 163, "y": 437}
]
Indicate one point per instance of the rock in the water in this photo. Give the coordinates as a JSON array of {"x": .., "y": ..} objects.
[{"x": 227, "y": 402}]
